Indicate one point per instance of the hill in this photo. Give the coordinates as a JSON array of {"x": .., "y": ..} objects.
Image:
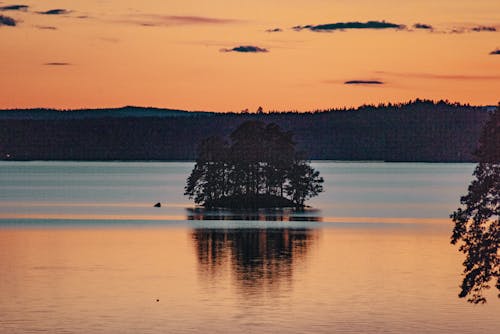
[
  {"x": 123, "y": 112},
  {"x": 415, "y": 131}
]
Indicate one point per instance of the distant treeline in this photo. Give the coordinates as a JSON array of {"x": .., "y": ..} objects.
[{"x": 419, "y": 130}]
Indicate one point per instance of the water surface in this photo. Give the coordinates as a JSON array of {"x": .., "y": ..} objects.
[
  {"x": 83, "y": 250},
  {"x": 354, "y": 192}
]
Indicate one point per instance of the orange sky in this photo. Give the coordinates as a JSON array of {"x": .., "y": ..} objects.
[{"x": 168, "y": 54}]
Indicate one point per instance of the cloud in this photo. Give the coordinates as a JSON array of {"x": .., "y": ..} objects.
[
  {"x": 378, "y": 25},
  {"x": 350, "y": 25},
  {"x": 483, "y": 28},
  {"x": 437, "y": 76},
  {"x": 495, "y": 52},
  {"x": 245, "y": 49},
  {"x": 154, "y": 20},
  {"x": 57, "y": 11},
  {"x": 423, "y": 26},
  {"x": 456, "y": 31},
  {"x": 363, "y": 82},
  {"x": 14, "y": 7},
  {"x": 196, "y": 19},
  {"x": 46, "y": 27},
  {"x": 477, "y": 28},
  {"x": 274, "y": 30},
  {"x": 109, "y": 39},
  {"x": 7, "y": 21},
  {"x": 57, "y": 64}
]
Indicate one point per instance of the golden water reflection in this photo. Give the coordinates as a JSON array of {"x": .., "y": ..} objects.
[
  {"x": 260, "y": 260},
  {"x": 287, "y": 214}
]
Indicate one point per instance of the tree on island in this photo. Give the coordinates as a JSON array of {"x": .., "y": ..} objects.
[
  {"x": 477, "y": 225},
  {"x": 259, "y": 168}
]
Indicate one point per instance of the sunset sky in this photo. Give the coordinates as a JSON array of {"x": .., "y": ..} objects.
[{"x": 223, "y": 55}]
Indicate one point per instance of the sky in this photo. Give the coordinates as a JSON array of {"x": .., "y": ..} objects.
[{"x": 226, "y": 55}]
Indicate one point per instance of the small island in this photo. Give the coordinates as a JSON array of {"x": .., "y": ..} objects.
[{"x": 259, "y": 168}]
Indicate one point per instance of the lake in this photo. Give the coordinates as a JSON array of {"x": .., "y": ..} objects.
[{"x": 83, "y": 250}]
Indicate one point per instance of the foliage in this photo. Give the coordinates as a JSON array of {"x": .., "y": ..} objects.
[
  {"x": 260, "y": 167},
  {"x": 477, "y": 225},
  {"x": 304, "y": 183},
  {"x": 419, "y": 130}
]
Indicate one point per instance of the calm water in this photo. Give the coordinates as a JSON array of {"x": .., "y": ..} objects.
[{"x": 82, "y": 250}]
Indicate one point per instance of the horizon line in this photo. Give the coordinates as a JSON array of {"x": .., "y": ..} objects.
[{"x": 269, "y": 111}]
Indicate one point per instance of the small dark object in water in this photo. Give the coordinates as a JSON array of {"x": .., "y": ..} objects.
[{"x": 157, "y": 205}]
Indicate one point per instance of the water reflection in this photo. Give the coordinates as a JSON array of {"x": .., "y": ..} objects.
[
  {"x": 305, "y": 215},
  {"x": 258, "y": 260}
]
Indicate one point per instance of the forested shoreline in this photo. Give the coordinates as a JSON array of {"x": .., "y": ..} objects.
[{"x": 415, "y": 131}]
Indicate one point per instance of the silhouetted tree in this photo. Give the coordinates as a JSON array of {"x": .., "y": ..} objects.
[
  {"x": 477, "y": 225},
  {"x": 304, "y": 182},
  {"x": 413, "y": 131},
  {"x": 256, "y": 170},
  {"x": 208, "y": 180}
]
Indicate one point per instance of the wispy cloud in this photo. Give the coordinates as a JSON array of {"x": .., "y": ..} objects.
[
  {"x": 423, "y": 26},
  {"x": 154, "y": 20},
  {"x": 109, "y": 39},
  {"x": 350, "y": 25},
  {"x": 379, "y": 25},
  {"x": 46, "y": 27},
  {"x": 363, "y": 82},
  {"x": 495, "y": 52},
  {"x": 274, "y": 30},
  {"x": 471, "y": 29},
  {"x": 57, "y": 64},
  {"x": 483, "y": 28},
  {"x": 438, "y": 76},
  {"x": 7, "y": 21},
  {"x": 246, "y": 49},
  {"x": 57, "y": 11},
  {"x": 14, "y": 7}
]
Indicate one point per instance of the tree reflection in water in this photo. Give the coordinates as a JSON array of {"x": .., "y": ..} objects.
[
  {"x": 258, "y": 259},
  {"x": 300, "y": 215}
]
